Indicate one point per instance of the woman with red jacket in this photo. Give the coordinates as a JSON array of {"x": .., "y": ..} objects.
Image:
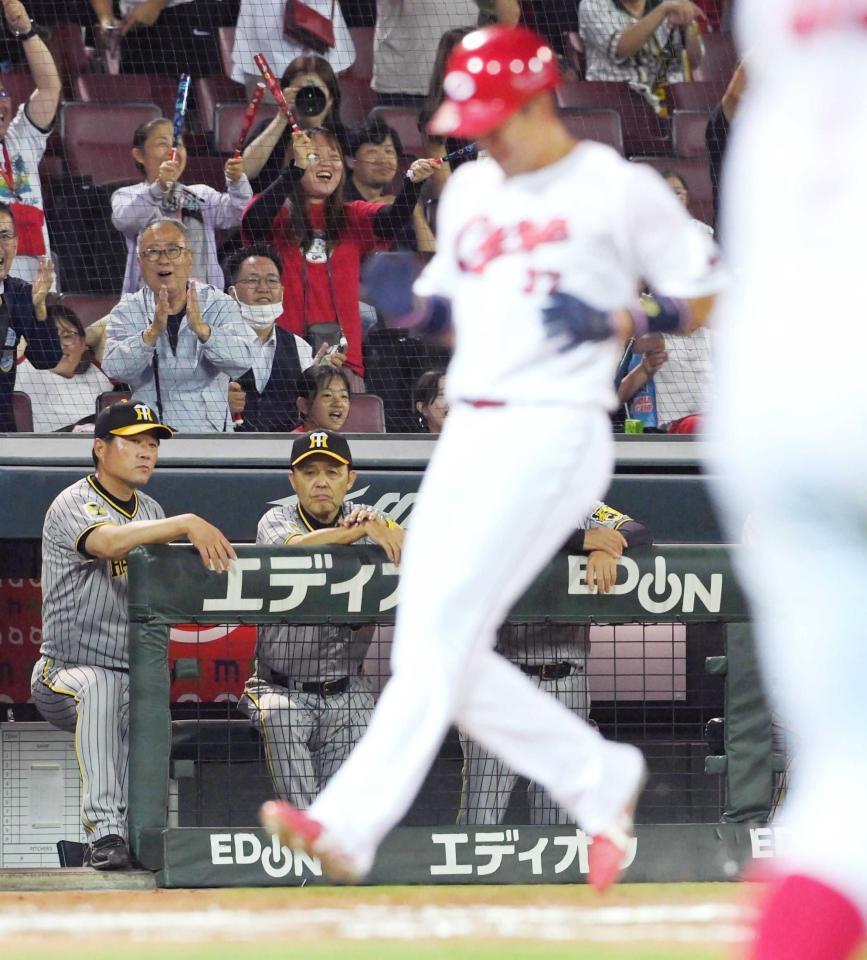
[{"x": 323, "y": 240}]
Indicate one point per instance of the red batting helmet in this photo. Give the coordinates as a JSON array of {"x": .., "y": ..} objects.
[{"x": 490, "y": 74}]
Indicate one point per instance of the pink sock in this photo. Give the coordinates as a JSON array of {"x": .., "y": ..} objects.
[{"x": 803, "y": 919}]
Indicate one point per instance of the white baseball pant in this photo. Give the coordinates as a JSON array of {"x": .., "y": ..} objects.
[{"x": 502, "y": 486}]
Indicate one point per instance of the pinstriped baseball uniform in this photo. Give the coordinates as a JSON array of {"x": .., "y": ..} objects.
[
  {"x": 81, "y": 682},
  {"x": 552, "y": 648},
  {"x": 307, "y": 733}
]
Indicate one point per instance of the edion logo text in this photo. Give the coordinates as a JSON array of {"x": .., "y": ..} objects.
[
  {"x": 658, "y": 592},
  {"x": 228, "y": 849}
]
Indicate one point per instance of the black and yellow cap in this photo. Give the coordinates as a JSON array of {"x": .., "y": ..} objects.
[
  {"x": 321, "y": 443},
  {"x": 128, "y": 417}
]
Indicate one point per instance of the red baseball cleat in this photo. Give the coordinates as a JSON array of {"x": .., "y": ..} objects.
[
  {"x": 297, "y": 830},
  {"x": 606, "y": 852},
  {"x": 609, "y": 848}
]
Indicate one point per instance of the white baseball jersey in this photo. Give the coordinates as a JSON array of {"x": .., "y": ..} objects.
[{"x": 592, "y": 225}]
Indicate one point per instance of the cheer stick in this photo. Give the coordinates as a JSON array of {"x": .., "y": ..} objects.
[
  {"x": 180, "y": 114},
  {"x": 274, "y": 86},
  {"x": 249, "y": 117},
  {"x": 466, "y": 151}
]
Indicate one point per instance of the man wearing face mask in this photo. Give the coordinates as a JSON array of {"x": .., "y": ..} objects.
[{"x": 263, "y": 399}]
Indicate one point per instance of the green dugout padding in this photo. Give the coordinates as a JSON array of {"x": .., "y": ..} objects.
[
  {"x": 169, "y": 585},
  {"x": 203, "y": 857}
]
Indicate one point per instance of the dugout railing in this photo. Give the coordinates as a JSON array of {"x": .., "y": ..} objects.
[{"x": 681, "y": 585}]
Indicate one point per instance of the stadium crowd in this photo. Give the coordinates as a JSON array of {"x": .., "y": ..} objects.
[{"x": 102, "y": 189}]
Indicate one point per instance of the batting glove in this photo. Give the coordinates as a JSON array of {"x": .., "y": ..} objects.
[{"x": 574, "y": 321}]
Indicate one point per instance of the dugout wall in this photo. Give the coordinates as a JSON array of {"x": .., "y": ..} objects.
[{"x": 169, "y": 585}]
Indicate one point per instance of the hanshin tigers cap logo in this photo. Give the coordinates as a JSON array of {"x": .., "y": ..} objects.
[
  {"x": 125, "y": 418},
  {"x": 321, "y": 443}
]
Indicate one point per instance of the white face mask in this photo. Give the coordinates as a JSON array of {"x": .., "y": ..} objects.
[{"x": 260, "y": 316}]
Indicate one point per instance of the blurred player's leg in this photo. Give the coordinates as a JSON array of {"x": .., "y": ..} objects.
[
  {"x": 504, "y": 487},
  {"x": 795, "y": 206}
]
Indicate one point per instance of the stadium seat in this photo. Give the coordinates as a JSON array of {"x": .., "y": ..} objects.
[
  {"x": 574, "y": 47},
  {"x": 207, "y": 170},
  {"x": 357, "y": 98},
  {"x": 128, "y": 88},
  {"x": 362, "y": 66},
  {"x": 97, "y": 138},
  {"x": 22, "y": 412},
  {"x": 227, "y": 42},
  {"x": 642, "y": 133},
  {"x": 90, "y": 307},
  {"x": 688, "y": 129},
  {"x": 405, "y": 121},
  {"x": 720, "y": 58},
  {"x": 366, "y": 414},
  {"x": 227, "y": 123},
  {"x": 66, "y": 43},
  {"x": 696, "y": 95},
  {"x": 695, "y": 174},
  {"x": 19, "y": 85},
  {"x": 109, "y": 397},
  {"x": 213, "y": 90},
  {"x": 601, "y": 125}
]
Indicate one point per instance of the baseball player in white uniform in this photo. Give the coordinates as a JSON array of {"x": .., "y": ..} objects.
[
  {"x": 534, "y": 246},
  {"x": 794, "y": 210},
  {"x": 554, "y": 657},
  {"x": 81, "y": 681},
  {"x": 308, "y": 697}
]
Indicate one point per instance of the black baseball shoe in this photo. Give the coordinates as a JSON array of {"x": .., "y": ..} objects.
[{"x": 107, "y": 853}]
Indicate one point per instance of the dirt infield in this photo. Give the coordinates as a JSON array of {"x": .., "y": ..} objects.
[{"x": 642, "y": 922}]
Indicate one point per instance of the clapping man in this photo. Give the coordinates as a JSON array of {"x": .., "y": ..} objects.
[{"x": 177, "y": 342}]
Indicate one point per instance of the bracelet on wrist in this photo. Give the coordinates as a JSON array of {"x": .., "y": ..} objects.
[{"x": 29, "y": 35}]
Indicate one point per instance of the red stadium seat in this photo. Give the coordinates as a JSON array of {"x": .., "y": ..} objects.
[
  {"x": 720, "y": 58},
  {"x": 688, "y": 129},
  {"x": 357, "y": 97},
  {"x": 695, "y": 174},
  {"x": 228, "y": 118},
  {"x": 22, "y": 412},
  {"x": 128, "y": 88},
  {"x": 405, "y": 121},
  {"x": 213, "y": 90},
  {"x": 207, "y": 170},
  {"x": 66, "y": 43},
  {"x": 574, "y": 47},
  {"x": 109, "y": 397},
  {"x": 19, "y": 85},
  {"x": 366, "y": 414},
  {"x": 90, "y": 307},
  {"x": 696, "y": 95},
  {"x": 601, "y": 125},
  {"x": 642, "y": 133},
  {"x": 362, "y": 66},
  {"x": 97, "y": 138},
  {"x": 227, "y": 42}
]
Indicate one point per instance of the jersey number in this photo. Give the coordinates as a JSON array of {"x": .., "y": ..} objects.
[{"x": 542, "y": 281}]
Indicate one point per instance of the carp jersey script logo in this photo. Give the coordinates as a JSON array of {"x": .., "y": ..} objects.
[{"x": 480, "y": 241}]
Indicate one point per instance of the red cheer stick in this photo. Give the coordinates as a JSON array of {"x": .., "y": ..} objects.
[
  {"x": 249, "y": 117},
  {"x": 276, "y": 92}
]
